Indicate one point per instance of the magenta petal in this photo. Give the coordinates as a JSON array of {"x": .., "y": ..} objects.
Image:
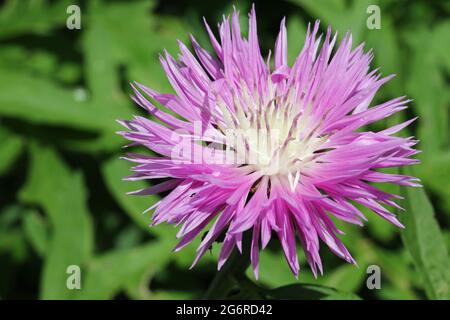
[{"x": 299, "y": 155}]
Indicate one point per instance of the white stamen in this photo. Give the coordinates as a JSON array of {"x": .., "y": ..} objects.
[{"x": 273, "y": 134}]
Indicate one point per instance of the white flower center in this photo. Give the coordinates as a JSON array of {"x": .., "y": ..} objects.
[{"x": 276, "y": 137}]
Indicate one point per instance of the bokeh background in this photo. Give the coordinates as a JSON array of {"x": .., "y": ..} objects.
[{"x": 62, "y": 200}]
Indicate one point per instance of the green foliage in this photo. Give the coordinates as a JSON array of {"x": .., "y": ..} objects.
[
  {"x": 114, "y": 170},
  {"x": 63, "y": 198},
  {"x": 425, "y": 242},
  {"x": 10, "y": 149},
  {"x": 310, "y": 292},
  {"x": 39, "y": 16},
  {"x": 39, "y": 101},
  {"x": 36, "y": 230},
  {"x": 118, "y": 270},
  {"x": 62, "y": 195}
]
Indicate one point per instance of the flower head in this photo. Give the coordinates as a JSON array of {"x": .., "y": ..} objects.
[{"x": 264, "y": 147}]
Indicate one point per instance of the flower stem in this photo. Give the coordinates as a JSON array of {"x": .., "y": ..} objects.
[{"x": 230, "y": 274}]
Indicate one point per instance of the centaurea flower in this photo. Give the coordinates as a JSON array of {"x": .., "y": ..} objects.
[{"x": 272, "y": 150}]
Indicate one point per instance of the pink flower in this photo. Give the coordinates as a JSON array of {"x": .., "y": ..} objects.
[{"x": 269, "y": 150}]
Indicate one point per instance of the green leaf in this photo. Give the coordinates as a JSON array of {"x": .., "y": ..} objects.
[
  {"x": 36, "y": 231},
  {"x": 114, "y": 171},
  {"x": 387, "y": 50},
  {"x": 274, "y": 271},
  {"x": 423, "y": 238},
  {"x": 309, "y": 292},
  {"x": 10, "y": 149},
  {"x": 31, "y": 16},
  {"x": 396, "y": 266},
  {"x": 346, "y": 278},
  {"x": 430, "y": 105},
  {"x": 434, "y": 171},
  {"x": 38, "y": 100},
  {"x": 390, "y": 292},
  {"x": 115, "y": 55},
  {"x": 62, "y": 195},
  {"x": 113, "y": 271},
  {"x": 296, "y": 33},
  {"x": 341, "y": 15},
  {"x": 108, "y": 46},
  {"x": 12, "y": 240},
  {"x": 442, "y": 32}
]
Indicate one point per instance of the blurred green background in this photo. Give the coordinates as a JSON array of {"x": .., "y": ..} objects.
[{"x": 62, "y": 200}]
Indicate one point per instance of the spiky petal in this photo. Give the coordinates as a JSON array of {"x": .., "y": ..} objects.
[{"x": 295, "y": 157}]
